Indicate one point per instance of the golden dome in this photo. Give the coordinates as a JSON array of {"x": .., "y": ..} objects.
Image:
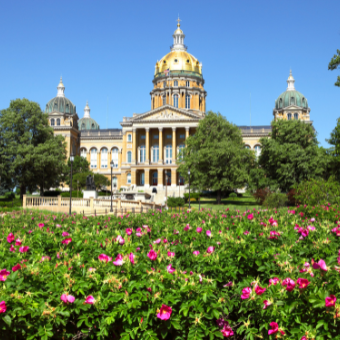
[{"x": 179, "y": 61}]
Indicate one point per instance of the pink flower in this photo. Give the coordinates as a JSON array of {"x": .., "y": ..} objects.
[
  {"x": 320, "y": 265},
  {"x": 165, "y": 241},
  {"x": 246, "y": 232},
  {"x": 145, "y": 226},
  {"x": 273, "y": 281},
  {"x": 187, "y": 227},
  {"x": 119, "y": 260},
  {"x": 18, "y": 242},
  {"x": 139, "y": 234},
  {"x": 199, "y": 229},
  {"x": 330, "y": 301},
  {"x": 24, "y": 249},
  {"x": 311, "y": 228},
  {"x": 246, "y": 293},
  {"x": 275, "y": 329},
  {"x": 11, "y": 248},
  {"x": 3, "y": 274},
  {"x": 208, "y": 233},
  {"x": 229, "y": 284},
  {"x": 200, "y": 278},
  {"x": 227, "y": 331},
  {"x": 157, "y": 241},
  {"x": 171, "y": 254},
  {"x": 128, "y": 231},
  {"x": 41, "y": 225},
  {"x": 152, "y": 255},
  {"x": 289, "y": 283},
  {"x": 10, "y": 238},
  {"x": 303, "y": 283},
  {"x": 90, "y": 300},
  {"x": 16, "y": 267},
  {"x": 120, "y": 240},
  {"x": 67, "y": 298},
  {"x": 250, "y": 217},
  {"x": 303, "y": 338},
  {"x": 312, "y": 219},
  {"x": 170, "y": 269},
  {"x": 132, "y": 258},
  {"x": 196, "y": 252},
  {"x": 259, "y": 290},
  {"x": 66, "y": 241},
  {"x": 3, "y": 307},
  {"x": 164, "y": 313},
  {"x": 92, "y": 269},
  {"x": 104, "y": 258},
  {"x": 266, "y": 304},
  {"x": 65, "y": 233},
  {"x": 210, "y": 250}
]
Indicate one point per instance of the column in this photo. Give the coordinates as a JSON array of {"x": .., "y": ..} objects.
[
  {"x": 160, "y": 145},
  {"x": 147, "y": 146},
  {"x": 187, "y": 132},
  {"x": 88, "y": 157},
  {"x": 160, "y": 178},
  {"x": 147, "y": 178},
  {"x": 174, "y": 143},
  {"x": 98, "y": 159},
  {"x": 133, "y": 177},
  {"x": 134, "y": 145},
  {"x": 173, "y": 177},
  {"x": 120, "y": 154}
]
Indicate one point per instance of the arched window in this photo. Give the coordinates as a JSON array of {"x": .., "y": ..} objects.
[
  {"x": 52, "y": 122},
  {"x": 67, "y": 109},
  {"x": 114, "y": 155},
  {"x": 155, "y": 153},
  {"x": 128, "y": 178},
  {"x": 83, "y": 153},
  {"x": 257, "y": 151},
  {"x": 103, "y": 163},
  {"x": 247, "y": 147},
  {"x": 129, "y": 156},
  {"x": 168, "y": 154},
  {"x": 303, "y": 101},
  {"x": 289, "y": 116},
  {"x": 58, "y": 121},
  {"x": 167, "y": 178},
  {"x": 280, "y": 103},
  {"x": 55, "y": 106},
  {"x": 175, "y": 83},
  {"x": 187, "y": 101},
  {"x": 93, "y": 158},
  {"x": 141, "y": 178},
  {"x": 187, "y": 84},
  {"x": 164, "y": 100},
  {"x": 155, "y": 178},
  {"x": 83, "y": 126},
  {"x": 114, "y": 182},
  {"x": 129, "y": 138},
  {"x": 176, "y": 100},
  {"x": 292, "y": 101},
  {"x": 296, "y": 116},
  {"x": 180, "y": 149},
  {"x": 142, "y": 154},
  {"x": 92, "y": 126}
]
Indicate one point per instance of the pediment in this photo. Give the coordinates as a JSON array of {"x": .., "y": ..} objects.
[{"x": 293, "y": 107}]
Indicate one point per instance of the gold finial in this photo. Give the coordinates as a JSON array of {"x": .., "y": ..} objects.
[{"x": 178, "y": 21}]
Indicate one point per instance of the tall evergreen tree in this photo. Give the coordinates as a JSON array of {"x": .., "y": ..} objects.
[
  {"x": 335, "y": 151},
  {"x": 334, "y": 64},
  {"x": 216, "y": 156},
  {"x": 30, "y": 154}
]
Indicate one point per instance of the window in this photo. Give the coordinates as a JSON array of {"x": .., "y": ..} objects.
[
  {"x": 83, "y": 153},
  {"x": 280, "y": 104},
  {"x": 155, "y": 178},
  {"x": 129, "y": 138},
  {"x": 187, "y": 84},
  {"x": 176, "y": 100},
  {"x": 67, "y": 109},
  {"x": 155, "y": 154},
  {"x": 176, "y": 60},
  {"x": 247, "y": 147},
  {"x": 155, "y": 136},
  {"x": 142, "y": 137},
  {"x": 114, "y": 155},
  {"x": 296, "y": 116},
  {"x": 83, "y": 126},
  {"x": 103, "y": 163},
  {"x": 58, "y": 121},
  {"x": 93, "y": 158},
  {"x": 92, "y": 126},
  {"x": 52, "y": 122},
  {"x": 303, "y": 101},
  {"x": 180, "y": 150},
  {"x": 141, "y": 179},
  {"x": 257, "y": 151},
  {"x": 289, "y": 116},
  {"x": 114, "y": 182},
  {"x": 142, "y": 154},
  {"x": 129, "y": 157},
  {"x": 168, "y": 136},
  {"x": 292, "y": 101},
  {"x": 187, "y": 102},
  {"x": 175, "y": 83},
  {"x": 167, "y": 177},
  {"x": 168, "y": 154},
  {"x": 128, "y": 178},
  {"x": 181, "y": 136},
  {"x": 188, "y": 61},
  {"x": 164, "y": 100},
  {"x": 181, "y": 180}
]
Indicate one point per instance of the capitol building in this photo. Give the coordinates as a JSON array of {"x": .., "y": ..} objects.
[{"x": 144, "y": 148}]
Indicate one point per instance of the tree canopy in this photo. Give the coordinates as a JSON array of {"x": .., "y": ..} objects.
[
  {"x": 79, "y": 180},
  {"x": 216, "y": 156},
  {"x": 334, "y": 151},
  {"x": 30, "y": 155},
  {"x": 334, "y": 64},
  {"x": 80, "y": 165},
  {"x": 291, "y": 154}
]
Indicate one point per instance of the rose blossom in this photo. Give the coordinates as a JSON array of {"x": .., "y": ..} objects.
[
  {"x": 41, "y": 225},
  {"x": 275, "y": 329},
  {"x": 16, "y": 267},
  {"x": 119, "y": 260},
  {"x": 330, "y": 301},
  {"x": 196, "y": 252},
  {"x": 10, "y": 238},
  {"x": 199, "y": 229},
  {"x": 171, "y": 254},
  {"x": 157, "y": 241},
  {"x": 152, "y": 255},
  {"x": 132, "y": 258},
  {"x": 303, "y": 283},
  {"x": 3, "y": 274},
  {"x": 320, "y": 265},
  {"x": 128, "y": 231},
  {"x": 11, "y": 248},
  {"x": 3, "y": 307},
  {"x": 246, "y": 293},
  {"x": 208, "y": 232},
  {"x": 266, "y": 304},
  {"x": 65, "y": 233},
  {"x": 259, "y": 290},
  {"x": 24, "y": 249},
  {"x": 67, "y": 298},
  {"x": 66, "y": 241},
  {"x": 210, "y": 250},
  {"x": 164, "y": 312},
  {"x": 104, "y": 258},
  {"x": 227, "y": 331},
  {"x": 120, "y": 240},
  {"x": 250, "y": 217},
  {"x": 289, "y": 283},
  {"x": 90, "y": 300},
  {"x": 273, "y": 281},
  {"x": 170, "y": 269}
]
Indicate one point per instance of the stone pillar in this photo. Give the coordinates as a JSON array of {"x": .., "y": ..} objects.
[
  {"x": 59, "y": 201},
  {"x": 174, "y": 143},
  {"x": 120, "y": 154},
  {"x": 134, "y": 145},
  {"x": 98, "y": 159},
  {"x": 160, "y": 178},
  {"x": 24, "y": 201},
  {"x": 133, "y": 177},
  {"x": 147, "y": 178},
  {"x": 147, "y": 146},
  {"x": 173, "y": 178},
  {"x": 186, "y": 132},
  {"x": 160, "y": 145}
]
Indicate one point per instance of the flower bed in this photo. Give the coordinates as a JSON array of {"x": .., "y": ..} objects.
[{"x": 190, "y": 276}]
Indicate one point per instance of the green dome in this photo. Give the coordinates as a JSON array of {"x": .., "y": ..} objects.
[
  {"x": 288, "y": 98},
  {"x": 60, "y": 104},
  {"x": 87, "y": 124}
]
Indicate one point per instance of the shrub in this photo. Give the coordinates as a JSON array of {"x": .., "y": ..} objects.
[
  {"x": 9, "y": 196},
  {"x": 261, "y": 194},
  {"x": 52, "y": 193},
  {"x": 233, "y": 195},
  {"x": 74, "y": 194},
  {"x": 195, "y": 195},
  {"x": 173, "y": 202},
  {"x": 291, "y": 197},
  {"x": 275, "y": 200}
]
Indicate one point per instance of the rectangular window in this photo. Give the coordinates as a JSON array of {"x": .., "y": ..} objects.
[
  {"x": 182, "y": 136},
  {"x": 168, "y": 136},
  {"x": 129, "y": 157},
  {"x": 93, "y": 158},
  {"x": 142, "y": 137},
  {"x": 104, "y": 158},
  {"x": 129, "y": 138},
  {"x": 155, "y": 136}
]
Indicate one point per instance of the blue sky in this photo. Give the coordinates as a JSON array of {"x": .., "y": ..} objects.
[{"x": 106, "y": 52}]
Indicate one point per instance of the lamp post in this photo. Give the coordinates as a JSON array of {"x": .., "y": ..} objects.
[
  {"x": 189, "y": 186},
  {"x": 112, "y": 163},
  {"x": 179, "y": 187},
  {"x": 71, "y": 160}
]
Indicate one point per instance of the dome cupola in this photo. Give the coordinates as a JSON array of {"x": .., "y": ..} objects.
[{"x": 87, "y": 123}]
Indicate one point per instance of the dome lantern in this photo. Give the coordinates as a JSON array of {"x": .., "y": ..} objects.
[
  {"x": 290, "y": 82},
  {"x": 61, "y": 88},
  {"x": 87, "y": 110},
  {"x": 178, "y": 36}
]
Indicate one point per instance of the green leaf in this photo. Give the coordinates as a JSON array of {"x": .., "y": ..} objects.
[{"x": 8, "y": 320}]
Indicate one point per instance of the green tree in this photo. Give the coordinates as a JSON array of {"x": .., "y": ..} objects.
[
  {"x": 334, "y": 151},
  {"x": 291, "y": 154},
  {"x": 30, "y": 154},
  {"x": 80, "y": 165},
  {"x": 334, "y": 64},
  {"x": 79, "y": 180},
  {"x": 216, "y": 156}
]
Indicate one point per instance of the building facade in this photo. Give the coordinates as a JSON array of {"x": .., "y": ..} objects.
[{"x": 144, "y": 150}]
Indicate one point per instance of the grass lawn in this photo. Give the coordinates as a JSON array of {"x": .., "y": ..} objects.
[{"x": 239, "y": 203}]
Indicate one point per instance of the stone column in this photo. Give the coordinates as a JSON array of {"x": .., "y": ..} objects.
[
  {"x": 160, "y": 144},
  {"x": 173, "y": 178},
  {"x": 160, "y": 178},
  {"x": 88, "y": 156},
  {"x": 133, "y": 177},
  {"x": 147, "y": 178},
  {"x": 120, "y": 154},
  {"x": 186, "y": 132},
  {"x": 147, "y": 146},
  {"x": 174, "y": 143},
  {"x": 134, "y": 145},
  {"x": 98, "y": 159}
]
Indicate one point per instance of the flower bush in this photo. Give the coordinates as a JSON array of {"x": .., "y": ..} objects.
[{"x": 194, "y": 275}]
